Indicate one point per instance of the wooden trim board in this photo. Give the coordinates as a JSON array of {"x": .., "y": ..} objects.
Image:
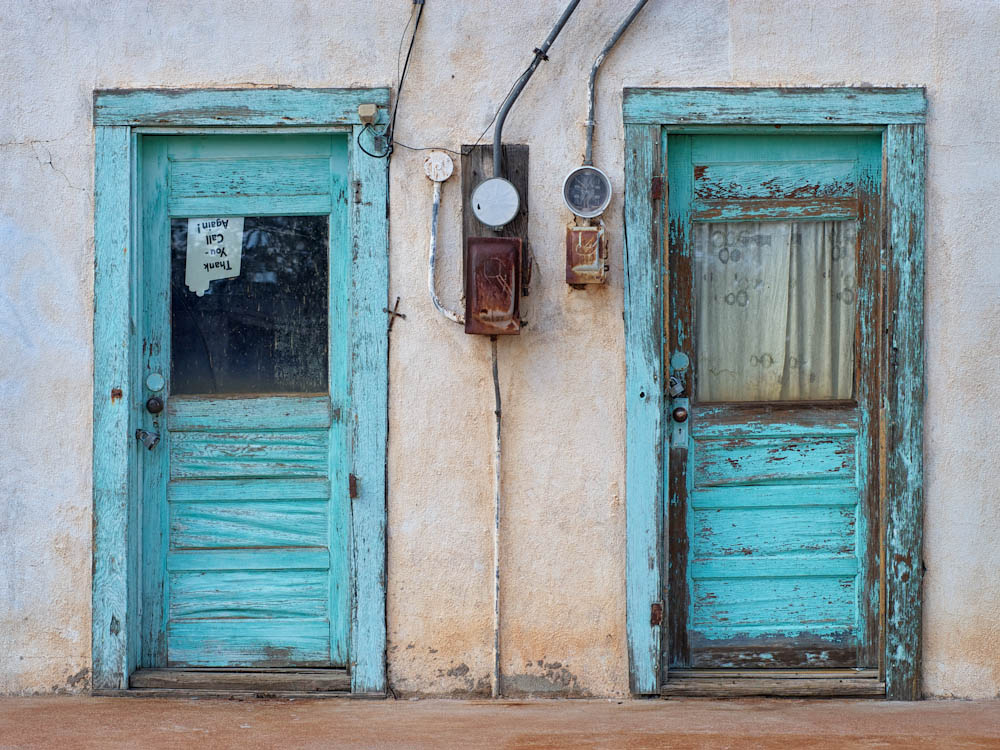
[{"x": 221, "y": 680}]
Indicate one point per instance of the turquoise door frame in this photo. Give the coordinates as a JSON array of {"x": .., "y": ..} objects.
[
  {"x": 898, "y": 115},
  {"x": 121, "y": 118}
]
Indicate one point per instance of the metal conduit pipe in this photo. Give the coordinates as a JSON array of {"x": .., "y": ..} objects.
[
  {"x": 432, "y": 260},
  {"x": 523, "y": 81},
  {"x": 592, "y": 85}
]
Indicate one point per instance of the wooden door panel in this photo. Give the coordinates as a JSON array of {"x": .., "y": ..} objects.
[
  {"x": 245, "y": 506},
  {"x": 772, "y": 542}
]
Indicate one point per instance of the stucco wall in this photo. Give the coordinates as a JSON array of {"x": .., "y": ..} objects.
[{"x": 563, "y": 522}]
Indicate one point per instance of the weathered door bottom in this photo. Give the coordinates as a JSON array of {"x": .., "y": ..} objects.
[
  {"x": 838, "y": 683},
  {"x": 279, "y": 683}
]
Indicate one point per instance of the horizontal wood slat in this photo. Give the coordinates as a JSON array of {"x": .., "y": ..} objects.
[
  {"x": 240, "y": 490},
  {"x": 219, "y": 455},
  {"x": 259, "y": 594},
  {"x": 241, "y": 107},
  {"x": 278, "y": 558},
  {"x": 828, "y": 566},
  {"x": 274, "y": 523},
  {"x": 775, "y": 496},
  {"x": 249, "y": 642},
  {"x": 812, "y": 209},
  {"x": 720, "y": 687},
  {"x": 794, "y": 181},
  {"x": 193, "y": 178},
  {"x": 774, "y": 532},
  {"x": 776, "y": 106},
  {"x": 249, "y": 413},
  {"x": 748, "y": 461},
  {"x": 299, "y": 681}
]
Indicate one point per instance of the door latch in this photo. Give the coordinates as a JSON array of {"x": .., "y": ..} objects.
[{"x": 149, "y": 439}]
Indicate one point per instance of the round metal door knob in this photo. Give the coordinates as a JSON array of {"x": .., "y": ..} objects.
[
  {"x": 680, "y": 414},
  {"x": 154, "y": 404}
]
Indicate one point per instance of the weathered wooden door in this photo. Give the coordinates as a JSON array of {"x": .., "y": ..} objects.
[
  {"x": 774, "y": 312},
  {"x": 244, "y": 505}
]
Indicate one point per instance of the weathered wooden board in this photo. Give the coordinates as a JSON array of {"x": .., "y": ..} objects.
[
  {"x": 264, "y": 558},
  {"x": 904, "y": 157},
  {"x": 722, "y": 687},
  {"x": 260, "y": 680},
  {"x": 240, "y": 490},
  {"x": 368, "y": 385},
  {"x": 114, "y": 621},
  {"x": 217, "y": 455},
  {"x": 248, "y": 594},
  {"x": 281, "y": 523},
  {"x": 644, "y": 383},
  {"x": 804, "y": 179},
  {"x": 249, "y": 642},
  {"x": 190, "y": 178},
  {"x": 240, "y": 107},
  {"x": 774, "y": 106},
  {"x": 800, "y": 530},
  {"x": 743, "y": 461}
]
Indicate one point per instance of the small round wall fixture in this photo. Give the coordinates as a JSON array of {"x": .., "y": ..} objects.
[
  {"x": 587, "y": 192},
  {"x": 438, "y": 166},
  {"x": 495, "y": 202}
]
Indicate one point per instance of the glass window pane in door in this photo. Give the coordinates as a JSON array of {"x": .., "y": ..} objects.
[
  {"x": 775, "y": 308},
  {"x": 263, "y": 329}
]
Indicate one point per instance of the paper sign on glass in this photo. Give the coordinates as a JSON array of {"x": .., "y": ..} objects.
[{"x": 214, "y": 250}]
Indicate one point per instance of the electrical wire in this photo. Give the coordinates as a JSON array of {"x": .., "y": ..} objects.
[
  {"x": 463, "y": 152},
  {"x": 401, "y": 78}
]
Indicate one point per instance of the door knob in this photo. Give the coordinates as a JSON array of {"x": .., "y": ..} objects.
[
  {"x": 154, "y": 404},
  {"x": 680, "y": 414}
]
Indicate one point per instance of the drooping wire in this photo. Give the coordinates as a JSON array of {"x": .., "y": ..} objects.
[
  {"x": 391, "y": 127},
  {"x": 464, "y": 152}
]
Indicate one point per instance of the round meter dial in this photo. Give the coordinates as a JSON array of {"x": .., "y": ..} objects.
[
  {"x": 495, "y": 202},
  {"x": 587, "y": 192}
]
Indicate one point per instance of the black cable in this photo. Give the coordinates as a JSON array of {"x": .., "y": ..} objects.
[
  {"x": 451, "y": 151},
  {"x": 391, "y": 126}
]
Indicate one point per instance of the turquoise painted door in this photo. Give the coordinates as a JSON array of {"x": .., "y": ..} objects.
[
  {"x": 244, "y": 509},
  {"x": 772, "y": 499}
]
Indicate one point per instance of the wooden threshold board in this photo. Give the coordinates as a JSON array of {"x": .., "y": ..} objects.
[
  {"x": 252, "y": 681},
  {"x": 718, "y": 683}
]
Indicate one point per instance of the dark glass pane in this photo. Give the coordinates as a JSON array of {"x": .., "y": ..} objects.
[{"x": 264, "y": 330}]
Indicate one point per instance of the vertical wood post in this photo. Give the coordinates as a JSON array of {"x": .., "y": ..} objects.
[
  {"x": 904, "y": 159},
  {"x": 114, "y": 446},
  {"x": 644, "y": 405}
]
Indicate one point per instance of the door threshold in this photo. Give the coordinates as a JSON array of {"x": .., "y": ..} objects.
[
  {"x": 723, "y": 683},
  {"x": 263, "y": 683}
]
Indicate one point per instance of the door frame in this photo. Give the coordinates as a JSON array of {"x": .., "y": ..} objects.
[
  {"x": 898, "y": 114},
  {"x": 121, "y": 117}
]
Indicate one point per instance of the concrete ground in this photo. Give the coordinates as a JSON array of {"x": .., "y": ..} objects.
[{"x": 68, "y": 723}]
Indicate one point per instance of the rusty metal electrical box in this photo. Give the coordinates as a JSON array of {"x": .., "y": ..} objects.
[
  {"x": 586, "y": 254},
  {"x": 493, "y": 285}
]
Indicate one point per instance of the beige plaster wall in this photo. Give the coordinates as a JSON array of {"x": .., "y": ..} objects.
[{"x": 564, "y": 490}]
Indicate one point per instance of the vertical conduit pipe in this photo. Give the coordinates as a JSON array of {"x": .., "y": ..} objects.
[
  {"x": 432, "y": 259},
  {"x": 523, "y": 81},
  {"x": 496, "y": 688},
  {"x": 591, "y": 86}
]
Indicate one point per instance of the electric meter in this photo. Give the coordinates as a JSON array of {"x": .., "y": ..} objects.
[
  {"x": 587, "y": 192},
  {"x": 495, "y": 202}
]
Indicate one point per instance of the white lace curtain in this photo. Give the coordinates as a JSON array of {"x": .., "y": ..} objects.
[{"x": 774, "y": 310}]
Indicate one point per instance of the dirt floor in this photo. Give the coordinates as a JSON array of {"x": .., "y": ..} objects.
[{"x": 67, "y": 723}]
